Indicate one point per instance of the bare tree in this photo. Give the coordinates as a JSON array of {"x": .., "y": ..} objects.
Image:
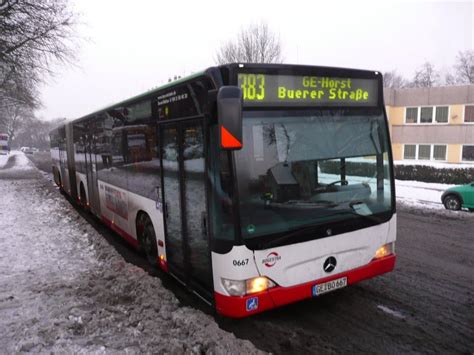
[
  {"x": 426, "y": 76},
  {"x": 393, "y": 80},
  {"x": 255, "y": 44},
  {"x": 34, "y": 132},
  {"x": 34, "y": 34},
  {"x": 464, "y": 67},
  {"x": 13, "y": 117},
  {"x": 449, "y": 79}
]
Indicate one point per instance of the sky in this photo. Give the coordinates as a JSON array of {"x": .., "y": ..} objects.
[{"x": 128, "y": 47}]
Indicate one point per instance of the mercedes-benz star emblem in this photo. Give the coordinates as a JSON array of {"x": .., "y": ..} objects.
[{"x": 330, "y": 264}]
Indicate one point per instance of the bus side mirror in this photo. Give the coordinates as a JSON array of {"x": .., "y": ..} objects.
[{"x": 229, "y": 117}]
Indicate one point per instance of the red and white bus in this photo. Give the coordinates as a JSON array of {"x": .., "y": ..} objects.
[{"x": 254, "y": 185}]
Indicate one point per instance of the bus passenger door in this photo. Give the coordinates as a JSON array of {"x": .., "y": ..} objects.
[
  {"x": 185, "y": 204},
  {"x": 91, "y": 174},
  {"x": 172, "y": 200},
  {"x": 194, "y": 199}
]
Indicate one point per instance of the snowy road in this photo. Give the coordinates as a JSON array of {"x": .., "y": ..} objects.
[
  {"x": 426, "y": 305},
  {"x": 64, "y": 289}
]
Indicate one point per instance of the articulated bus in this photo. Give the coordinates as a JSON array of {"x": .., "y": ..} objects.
[{"x": 254, "y": 185}]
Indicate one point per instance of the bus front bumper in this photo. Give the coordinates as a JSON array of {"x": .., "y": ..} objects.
[{"x": 243, "y": 306}]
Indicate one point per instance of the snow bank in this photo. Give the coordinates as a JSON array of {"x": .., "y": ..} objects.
[
  {"x": 64, "y": 289},
  {"x": 422, "y": 194},
  {"x": 3, "y": 160},
  {"x": 16, "y": 166},
  {"x": 436, "y": 165}
]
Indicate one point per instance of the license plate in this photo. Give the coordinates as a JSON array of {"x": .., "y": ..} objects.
[{"x": 329, "y": 286}]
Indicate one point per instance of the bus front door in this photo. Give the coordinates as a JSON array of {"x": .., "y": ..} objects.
[{"x": 184, "y": 192}]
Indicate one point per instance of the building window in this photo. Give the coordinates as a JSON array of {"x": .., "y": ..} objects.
[
  {"x": 409, "y": 151},
  {"x": 411, "y": 115},
  {"x": 426, "y": 115},
  {"x": 468, "y": 153},
  {"x": 442, "y": 114},
  {"x": 469, "y": 113},
  {"x": 439, "y": 152},
  {"x": 424, "y": 152}
]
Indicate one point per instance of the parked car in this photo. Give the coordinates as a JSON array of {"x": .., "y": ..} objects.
[
  {"x": 28, "y": 150},
  {"x": 458, "y": 197}
]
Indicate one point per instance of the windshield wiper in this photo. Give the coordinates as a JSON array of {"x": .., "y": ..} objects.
[
  {"x": 370, "y": 217},
  {"x": 309, "y": 228},
  {"x": 291, "y": 234}
]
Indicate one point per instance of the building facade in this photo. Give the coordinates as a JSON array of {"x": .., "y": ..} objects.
[{"x": 432, "y": 124}]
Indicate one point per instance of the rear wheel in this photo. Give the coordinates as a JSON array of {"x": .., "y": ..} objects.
[
  {"x": 60, "y": 184},
  {"x": 147, "y": 238},
  {"x": 83, "y": 196},
  {"x": 452, "y": 202},
  {"x": 471, "y": 209}
]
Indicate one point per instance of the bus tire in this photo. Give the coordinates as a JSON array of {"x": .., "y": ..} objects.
[
  {"x": 147, "y": 238},
  {"x": 56, "y": 177},
  {"x": 60, "y": 184},
  {"x": 83, "y": 196}
]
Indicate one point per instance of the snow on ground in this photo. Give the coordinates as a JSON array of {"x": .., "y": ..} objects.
[
  {"x": 421, "y": 194},
  {"x": 436, "y": 165},
  {"x": 16, "y": 166},
  {"x": 64, "y": 289},
  {"x": 3, "y": 159}
]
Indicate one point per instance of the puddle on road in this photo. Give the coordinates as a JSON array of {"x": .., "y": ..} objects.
[{"x": 393, "y": 313}]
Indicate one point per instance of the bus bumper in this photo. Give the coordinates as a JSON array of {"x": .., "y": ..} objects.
[{"x": 243, "y": 306}]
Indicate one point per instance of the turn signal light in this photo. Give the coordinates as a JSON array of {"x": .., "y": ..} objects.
[
  {"x": 259, "y": 284},
  {"x": 384, "y": 250},
  {"x": 245, "y": 287}
]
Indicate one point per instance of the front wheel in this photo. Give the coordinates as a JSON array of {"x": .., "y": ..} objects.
[
  {"x": 452, "y": 202},
  {"x": 147, "y": 238}
]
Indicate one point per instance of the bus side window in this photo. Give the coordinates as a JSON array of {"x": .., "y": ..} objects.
[{"x": 225, "y": 177}]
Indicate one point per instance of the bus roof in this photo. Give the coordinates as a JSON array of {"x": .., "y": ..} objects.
[
  {"x": 146, "y": 93},
  {"x": 228, "y": 66}
]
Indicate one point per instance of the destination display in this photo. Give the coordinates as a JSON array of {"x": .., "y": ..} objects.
[{"x": 292, "y": 90}]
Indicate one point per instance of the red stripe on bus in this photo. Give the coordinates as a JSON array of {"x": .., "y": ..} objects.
[
  {"x": 235, "y": 306},
  {"x": 121, "y": 232}
]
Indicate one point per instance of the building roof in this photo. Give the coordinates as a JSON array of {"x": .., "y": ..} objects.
[{"x": 442, "y": 95}]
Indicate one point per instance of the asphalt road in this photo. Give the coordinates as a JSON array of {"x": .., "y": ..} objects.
[{"x": 424, "y": 306}]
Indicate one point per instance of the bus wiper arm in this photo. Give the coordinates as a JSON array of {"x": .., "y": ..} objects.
[
  {"x": 354, "y": 213},
  {"x": 289, "y": 235}
]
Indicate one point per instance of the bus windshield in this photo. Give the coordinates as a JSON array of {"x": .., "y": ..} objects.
[{"x": 311, "y": 167}]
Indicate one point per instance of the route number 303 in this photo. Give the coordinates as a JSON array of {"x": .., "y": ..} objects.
[{"x": 253, "y": 86}]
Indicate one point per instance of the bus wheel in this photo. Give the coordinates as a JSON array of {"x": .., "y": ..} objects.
[
  {"x": 57, "y": 179},
  {"x": 83, "y": 196},
  {"x": 60, "y": 184},
  {"x": 147, "y": 238}
]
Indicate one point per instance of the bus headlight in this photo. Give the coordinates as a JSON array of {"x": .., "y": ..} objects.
[
  {"x": 245, "y": 287},
  {"x": 234, "y": 287},
  {"x": 385, "y": 250}
]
